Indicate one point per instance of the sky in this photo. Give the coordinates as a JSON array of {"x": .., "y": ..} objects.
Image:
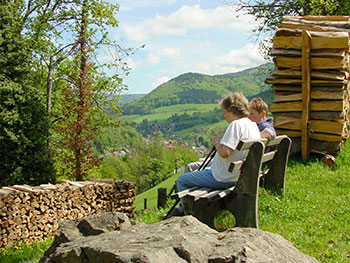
[{"x": 180, "y": 36}]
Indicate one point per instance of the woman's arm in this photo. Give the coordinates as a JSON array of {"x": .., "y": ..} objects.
[{"x": 223, "y": 150}]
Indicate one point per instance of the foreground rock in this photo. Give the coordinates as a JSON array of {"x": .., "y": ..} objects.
[{"x": 111, "y": 237}]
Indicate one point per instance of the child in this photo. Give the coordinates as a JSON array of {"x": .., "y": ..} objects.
[
  {"x": 258, "y": 113},
  {"x": 236, "y": 109}
]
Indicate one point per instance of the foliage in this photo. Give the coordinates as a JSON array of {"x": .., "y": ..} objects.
[
  {"x": 152, "y": 216},
  {"x": 14, "y": 53},
  {"x": 270, "y": 13},
  {"x": 23, "y": 127},
  {"x": 201, "y": 89},
  {"x": 164, "y": 113},
  {"x": 23, "y": 120},
  {"x": 77, "y": 127},
  {"x": 147, "y": 164},
  {"x": 116, "y": 138},
  {"x": 89, "y": 91}
]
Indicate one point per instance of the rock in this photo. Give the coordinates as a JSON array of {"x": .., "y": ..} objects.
[{"x": 178, "y": 239}]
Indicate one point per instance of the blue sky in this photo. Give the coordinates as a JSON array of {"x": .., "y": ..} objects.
[{"x": 183, "y": 36}]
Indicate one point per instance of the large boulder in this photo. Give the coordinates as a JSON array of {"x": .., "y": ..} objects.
[{"x": 111, "y": 237}]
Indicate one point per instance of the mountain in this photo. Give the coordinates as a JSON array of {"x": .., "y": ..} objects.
[{"x": 199, "y": 88}]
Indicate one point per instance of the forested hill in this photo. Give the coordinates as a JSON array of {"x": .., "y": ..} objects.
[
  {"x": 202, "y": 89},
  {"x": 128, "y": 98}
]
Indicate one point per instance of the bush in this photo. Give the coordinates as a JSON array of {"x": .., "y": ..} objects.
[{"x": 23, "y": 132}]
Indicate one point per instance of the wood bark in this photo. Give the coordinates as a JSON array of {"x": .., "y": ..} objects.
[
  {"x": 33, "y": 213},
  {"x": 328, "y": 116}
]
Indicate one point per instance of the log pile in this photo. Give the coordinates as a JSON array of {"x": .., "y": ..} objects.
[
  {"x": 33, "y": 213},
  {"x": 311, "y": 105}
]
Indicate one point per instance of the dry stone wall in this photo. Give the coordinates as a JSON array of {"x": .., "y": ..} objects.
[{"x": 33, "y": 213}]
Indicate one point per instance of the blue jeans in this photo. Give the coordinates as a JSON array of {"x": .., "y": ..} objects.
[{"x": 203, "y": 178}]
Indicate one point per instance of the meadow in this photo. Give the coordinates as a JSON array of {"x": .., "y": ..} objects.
[
  {"x": 164, "y": 113},
  {"x": 313, "y": 214}
]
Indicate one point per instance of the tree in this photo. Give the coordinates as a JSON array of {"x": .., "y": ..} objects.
[
  {"x": 23, "y": 120},
  {"x": 270, "y": 13},
  {"x": 87, "y": 87},
  {"x": 51, "y": 26},
  {"x": 23, "y": 126},
  {"x": 14, "y": 52}
]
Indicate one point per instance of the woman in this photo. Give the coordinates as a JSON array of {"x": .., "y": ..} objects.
[{"x": 236, "y": 110}]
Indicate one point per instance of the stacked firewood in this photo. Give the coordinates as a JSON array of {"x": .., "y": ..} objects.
[
  {"x": 33, "y": 213},
  {"x": 314, "y": 48}
]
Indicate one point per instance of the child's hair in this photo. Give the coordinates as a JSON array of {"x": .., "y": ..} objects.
[
  {"x": 236, "y": 101},
  {"x": 259, "y": 105}
]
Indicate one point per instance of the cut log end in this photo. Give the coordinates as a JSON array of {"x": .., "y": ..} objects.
[{"x": 328, "y": 160}]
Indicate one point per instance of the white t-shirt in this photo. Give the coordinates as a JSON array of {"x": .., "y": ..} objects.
[{"x": 241, "y": 129}]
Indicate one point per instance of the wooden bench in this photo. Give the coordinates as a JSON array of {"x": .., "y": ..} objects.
[{"x": 242, "y": 199}]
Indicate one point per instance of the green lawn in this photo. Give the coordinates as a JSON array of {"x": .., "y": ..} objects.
[
  {"x": 164, "y": 113},
  {"x": 314, "y": 214},
  {"x": 152, "y": 194}
]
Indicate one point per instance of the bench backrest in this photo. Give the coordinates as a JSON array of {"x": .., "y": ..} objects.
[{"x": 260, "y": 152}]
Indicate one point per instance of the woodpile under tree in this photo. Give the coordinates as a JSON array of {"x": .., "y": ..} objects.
[
  {"x": 33, "y": 213},
  {"x": 311, "y": 105}
]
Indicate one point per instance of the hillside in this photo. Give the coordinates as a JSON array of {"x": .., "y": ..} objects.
[
  {"x": 198, "y": 88},
  {"x": 128, "y": 98}
]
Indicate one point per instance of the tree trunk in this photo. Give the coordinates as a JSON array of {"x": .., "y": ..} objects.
[{"x": 82, "y": 86}]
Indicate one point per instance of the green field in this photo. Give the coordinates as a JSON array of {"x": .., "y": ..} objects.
[
  {"x": 152, "y": 194},
  {"x": 164, "y": 113}
]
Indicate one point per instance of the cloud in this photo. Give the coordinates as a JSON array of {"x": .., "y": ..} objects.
[
  {"x": 169, "y": 53},
  {"x": 132, "y": 63},
  {"x": 235, "y": 60},
  {"x": 187, "y": 18},
  {"x": 160, "y": 81}
]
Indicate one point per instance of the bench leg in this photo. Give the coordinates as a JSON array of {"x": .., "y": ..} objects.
[
  {"x": 245, "y": 210},
  {"x": 274, "y": 180},
  {"x": 243, "y": 201}
]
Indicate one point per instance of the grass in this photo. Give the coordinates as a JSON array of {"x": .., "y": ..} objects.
[
  {"x": 25, "y": 252},
  {"x": 313, "y": 214},
  {"x": 152, "y": 194},
  {"x": 164, "y": 113}
]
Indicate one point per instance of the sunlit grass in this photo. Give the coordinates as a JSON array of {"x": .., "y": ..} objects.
[
  {"x": 164, "y": 113},
  {"x": 24, "y": 252}
]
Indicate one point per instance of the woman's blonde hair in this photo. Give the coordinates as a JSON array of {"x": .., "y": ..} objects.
[{"x": 236, "y": 102}]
